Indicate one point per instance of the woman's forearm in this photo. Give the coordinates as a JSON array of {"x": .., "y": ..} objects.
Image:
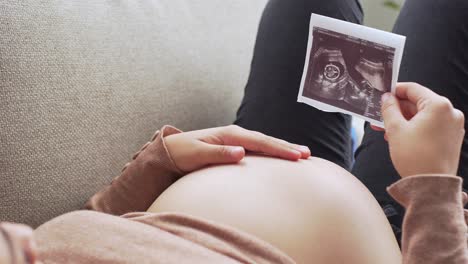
[
  {"x": 150, "y": 172},
  {"x": 434, "y": 228}
]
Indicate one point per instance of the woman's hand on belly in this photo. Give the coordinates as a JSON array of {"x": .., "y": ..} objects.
[
  {"x": 313, "y": 210},
  {"x": 222, "y": 145}
]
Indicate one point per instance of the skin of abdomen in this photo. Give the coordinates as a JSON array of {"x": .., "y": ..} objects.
[{"x": 313, "y": 210}]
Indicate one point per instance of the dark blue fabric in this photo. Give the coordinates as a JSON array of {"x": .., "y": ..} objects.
[
  {"x": 269, "y": 104},
  {"x": 436, "y": 55}
]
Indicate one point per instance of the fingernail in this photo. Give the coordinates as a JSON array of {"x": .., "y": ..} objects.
[
  {"x": 296, "y": 153},
  {"x": 385, "y": 97},
  {"x": 304, "y": 149},
  {"x": 235, "y": 151}
]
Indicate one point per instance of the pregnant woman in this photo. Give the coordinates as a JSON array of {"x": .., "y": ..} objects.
[
  {"x": 260, "y": 209},
  {"x": 232, "y": 195}
]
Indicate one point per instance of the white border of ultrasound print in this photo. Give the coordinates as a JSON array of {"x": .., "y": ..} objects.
[{"x": 358, "y": 31}]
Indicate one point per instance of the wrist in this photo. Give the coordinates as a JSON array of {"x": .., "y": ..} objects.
[
  {"x": 428, "y": 170},
  {"x": 168, "y": 138}
]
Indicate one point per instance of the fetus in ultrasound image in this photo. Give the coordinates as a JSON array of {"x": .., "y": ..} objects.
[{"x": 349, "y": 73}]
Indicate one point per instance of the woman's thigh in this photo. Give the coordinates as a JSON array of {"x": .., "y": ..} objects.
[
  {"x": 270, "y": 99},
  {"x": 313, "y": 210},
  {"x": 436, "y": 56}
]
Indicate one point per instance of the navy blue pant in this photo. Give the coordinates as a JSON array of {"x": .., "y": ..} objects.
[{"x": 436, "y": 56}]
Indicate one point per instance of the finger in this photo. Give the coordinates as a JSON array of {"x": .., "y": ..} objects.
[
  {"x": 391, "y": 112},
  {"x": 258, "y": 142},
  {"x": 305, "y": 151},
  {"x": 464, "y": 198},
  {"x": 408, "y": 109},
  {"x": 414, "y": 93},
  {"x": 271, "y": 146},
  {"x": 221, "y": 154}
]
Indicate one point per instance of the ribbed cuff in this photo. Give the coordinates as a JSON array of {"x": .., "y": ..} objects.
[
  {"x": 159, "y": 149},
  {"x": 426, "y": 188}
]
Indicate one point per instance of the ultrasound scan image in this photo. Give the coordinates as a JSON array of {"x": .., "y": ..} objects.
[{"x": 348, "y": 72}]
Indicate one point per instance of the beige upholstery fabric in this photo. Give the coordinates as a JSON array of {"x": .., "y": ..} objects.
[{"x": 83, "y": 84}]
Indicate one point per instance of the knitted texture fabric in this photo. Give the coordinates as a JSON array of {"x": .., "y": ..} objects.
[{"x": 83, "y": 84}]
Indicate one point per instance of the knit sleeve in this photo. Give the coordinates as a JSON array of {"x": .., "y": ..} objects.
[
  {"x": 151, "y": 171},
  {"x": 434, "y": 227}
]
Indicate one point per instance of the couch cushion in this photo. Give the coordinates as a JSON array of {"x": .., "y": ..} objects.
[{"x": 84, "y": 83}]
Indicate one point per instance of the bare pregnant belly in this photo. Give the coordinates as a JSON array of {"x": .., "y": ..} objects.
[{"x": 312, "y": 209}]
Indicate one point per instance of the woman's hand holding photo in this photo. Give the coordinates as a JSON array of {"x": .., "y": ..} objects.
[{"x": 424, "y": 131}]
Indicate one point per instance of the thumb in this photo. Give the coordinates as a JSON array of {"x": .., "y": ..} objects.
[
  {"x": 391, "y": 111},
  {"x": 219, "y": 154}
]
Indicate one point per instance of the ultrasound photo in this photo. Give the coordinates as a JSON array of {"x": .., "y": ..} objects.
[{"x": 346, "y": 72}]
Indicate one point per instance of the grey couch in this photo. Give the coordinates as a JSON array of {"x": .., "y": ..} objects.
[{"x": 83, "y": 84}]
